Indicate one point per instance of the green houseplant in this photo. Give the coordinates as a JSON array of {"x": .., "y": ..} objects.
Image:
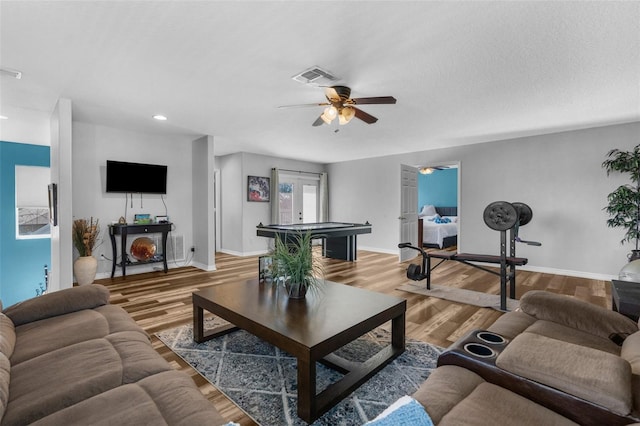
[
  {"x": 624, "y": 202},
  {"x": 295, "y": 265}
]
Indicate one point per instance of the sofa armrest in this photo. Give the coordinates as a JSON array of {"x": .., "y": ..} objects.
[
  {"x": 58, "y": 303},
  {"x": 575, "y": 313}
]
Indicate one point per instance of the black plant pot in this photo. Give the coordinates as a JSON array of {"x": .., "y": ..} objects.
[{"x": 296, "y": 291}]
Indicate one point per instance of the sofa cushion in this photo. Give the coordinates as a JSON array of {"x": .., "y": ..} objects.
[
  {"x": 58, "y": 303},
  {"x": 586, "y": 373},
  {"x": 446, "y": 386},
  {"x": 7, "y": 344},
  {"x": 572, "y": 335},
  {"x": 60, "y": 378},
  {"x": 168, "y": 398},
  {"x": 40, "y": 337},
  {"x": 631, "y": 351},
  {"x": 575, "y": 313},
  {"x": 5, "y": 371},
  {"x": 491, "y": 404},
  {"x": 7, "y": 336},
  {"x": 511, "y": 324}
]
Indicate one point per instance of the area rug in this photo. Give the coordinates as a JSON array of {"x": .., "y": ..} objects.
[
  {"x": 460, "y": 295},
  {"x": 261, "y": 379}
]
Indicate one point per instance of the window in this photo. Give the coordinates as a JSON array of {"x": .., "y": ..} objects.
[{"x": 32, "y": 202}]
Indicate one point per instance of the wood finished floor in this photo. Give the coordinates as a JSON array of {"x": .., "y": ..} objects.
[{"x": 159, "y": 301}]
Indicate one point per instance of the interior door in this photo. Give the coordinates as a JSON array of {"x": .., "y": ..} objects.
[{"x": 408, "y": 211}]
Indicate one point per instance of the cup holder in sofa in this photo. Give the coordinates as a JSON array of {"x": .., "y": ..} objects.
[
  {"x": 491, "y": 338},
  {"x": 479, "y": 350}
]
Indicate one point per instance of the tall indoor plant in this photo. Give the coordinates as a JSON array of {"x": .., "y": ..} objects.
[
  {"x": 85, "y": 239},
  {"x": 624, "y": 202},
  {"x": 295, "y": 264}
]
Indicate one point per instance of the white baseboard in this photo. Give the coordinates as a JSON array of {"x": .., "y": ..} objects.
[
  {"x": 541, "y": 269},
  {"x": 241, "y": 254},
  {"x": 204, "y": 267},
  {"x": 568, "y": 272},
  {"x": 379, "y": 250}
]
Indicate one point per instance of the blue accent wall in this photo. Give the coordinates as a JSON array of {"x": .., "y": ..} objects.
[
  {"x": 440, "y": 188},
  {"x": 21, "y": 261}
]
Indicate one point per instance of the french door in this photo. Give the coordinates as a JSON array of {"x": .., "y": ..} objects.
[{"x": 299, "y": 200}]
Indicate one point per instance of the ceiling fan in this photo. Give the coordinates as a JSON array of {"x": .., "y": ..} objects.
[
  {"x": 429, "y": 170},
  {"x": 341, "y": 106}
]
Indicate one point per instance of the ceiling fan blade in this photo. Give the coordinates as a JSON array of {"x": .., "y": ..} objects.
[
  {"x": 331, "y": 94},
  {"x": 367, "y": 118},
  {"x": 318, "y": 122},
  {"x": 304, "y": 105},
  {"x": 374, "y": 100}
]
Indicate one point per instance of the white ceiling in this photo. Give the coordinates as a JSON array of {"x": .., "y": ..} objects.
[{"x": 462, "y": 72}]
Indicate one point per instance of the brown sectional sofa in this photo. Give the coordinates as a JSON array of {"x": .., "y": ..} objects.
[
  {"x": 563, "y": 361},
  {"x": 69, "y": 357}
]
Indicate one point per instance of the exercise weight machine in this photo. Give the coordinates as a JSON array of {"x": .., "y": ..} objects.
[{"x": 500, "y": 216}]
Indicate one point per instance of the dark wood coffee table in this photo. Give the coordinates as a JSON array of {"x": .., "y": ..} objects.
[{"x": 309, "y": 329}]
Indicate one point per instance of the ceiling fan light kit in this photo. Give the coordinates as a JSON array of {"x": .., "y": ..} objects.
[{"x": 340, "y": 105}]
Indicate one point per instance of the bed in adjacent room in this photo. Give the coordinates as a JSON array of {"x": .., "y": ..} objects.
[{"x": 438, "y": 226}]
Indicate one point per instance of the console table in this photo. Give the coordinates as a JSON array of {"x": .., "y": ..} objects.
[{"x": 123, "y": 231}]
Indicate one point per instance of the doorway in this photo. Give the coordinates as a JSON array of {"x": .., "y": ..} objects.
[
  {"x": 298, "y": 199},
  {"x": 438, "y": 195}
]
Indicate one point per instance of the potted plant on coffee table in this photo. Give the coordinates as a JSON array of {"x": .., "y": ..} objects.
[
  {"x": 295, "y": 265},
  {"x": 624, "y": 202},
  {"x": 85, "y": 238}
]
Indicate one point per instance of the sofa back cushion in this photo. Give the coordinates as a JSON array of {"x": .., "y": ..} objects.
[
  {"x": 58, "y": 303},
  {"x": 7, "y": 343},
  {"x": 575, "y": 313}
]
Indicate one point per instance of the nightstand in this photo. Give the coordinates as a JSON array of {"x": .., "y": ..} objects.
[{"x": 625, "y": 298}]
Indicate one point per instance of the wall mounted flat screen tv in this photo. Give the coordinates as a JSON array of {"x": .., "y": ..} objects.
[{"x": 136, "y": 177}]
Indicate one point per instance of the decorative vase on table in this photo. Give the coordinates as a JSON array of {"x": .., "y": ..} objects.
[
  {"x": 85, "y": 268},
  {"x": 85, "y": 237}
]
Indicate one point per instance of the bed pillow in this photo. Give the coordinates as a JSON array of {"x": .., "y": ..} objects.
[
  {"x": 428, "y": 210},
  {"x": 453, "y": 219}
]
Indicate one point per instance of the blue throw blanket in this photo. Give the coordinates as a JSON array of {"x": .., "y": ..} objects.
[{"x": 404, "y": 412}]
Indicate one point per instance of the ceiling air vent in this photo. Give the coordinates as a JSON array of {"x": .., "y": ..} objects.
[{"x": 316, "y": 76}]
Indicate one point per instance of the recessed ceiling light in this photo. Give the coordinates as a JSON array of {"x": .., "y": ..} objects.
[
  {"x": 160, "y": 117},
  {"x": 3, "y": 117}
]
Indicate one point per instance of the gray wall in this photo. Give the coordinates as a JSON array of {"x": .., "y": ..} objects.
[
  {"x": 240, "y": 217},
  {"x": 93, "y": 145},
  {"x": 558, "y": 175}
]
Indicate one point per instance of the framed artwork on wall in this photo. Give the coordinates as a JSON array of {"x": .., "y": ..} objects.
[{"x": 258, "y": 189}]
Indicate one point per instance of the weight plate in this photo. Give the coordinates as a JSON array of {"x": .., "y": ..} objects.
[
  {"x": 414, "y": 271},
  {"x": 500, "y": 215},
  {"x": 525, "y": 213}
]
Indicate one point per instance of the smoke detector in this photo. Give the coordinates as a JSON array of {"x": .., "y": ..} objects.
[{"x": 316, "y": 76}]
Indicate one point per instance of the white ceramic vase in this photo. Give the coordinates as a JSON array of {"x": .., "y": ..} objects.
[{"x": 85, "y": 268}]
